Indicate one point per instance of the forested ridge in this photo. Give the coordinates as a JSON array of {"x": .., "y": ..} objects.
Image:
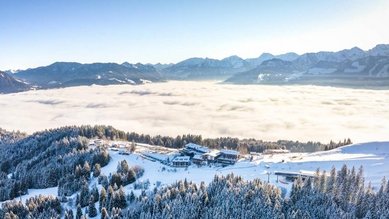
[{"x": 44, "y": 159}]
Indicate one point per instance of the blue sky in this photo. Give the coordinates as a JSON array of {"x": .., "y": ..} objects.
[{"x": 40, "y": 32}]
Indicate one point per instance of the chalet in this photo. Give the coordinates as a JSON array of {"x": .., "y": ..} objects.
[
  {"x": 192, "y": 149},
  {"x": 207, "y": 158},
  {"x": 181, "y": 161},
  {"x": 227, "y": 157}
]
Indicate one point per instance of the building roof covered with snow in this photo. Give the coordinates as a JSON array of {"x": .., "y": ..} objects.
[
  {"x": 276, "y": 151},
  {"x": 213, "y": 153},
  {"x": 197, "y": 157},
  {"x": 229, "y": 152},
  {"x": 197, "y": 148}
]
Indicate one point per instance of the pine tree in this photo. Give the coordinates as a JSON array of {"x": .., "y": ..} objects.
[
  {"x": 84, "y": 196},
  {"x": 69, "y": 214},
  {"x": 131, "y": 176},
  {"x": 316, "y": 179},
  {"x": 86, "y": 170},
  {"x": 95, "y": 193},
  {"x": 102, "y": 199},
  {"x": 104, "y": 213},
  {"x": 110, "y": 198},
  {"x": 322, "y": 182},
  {"x": 121, "y": 198},
  {"x": 96, "y": 170},
  {"x": 79, "y": 212},
  {"x": 133, "y": 146},
  {"x": 131, "y": 197},
  {"x": 331, "y": 181},
  {"x": 92, "y": 212}
]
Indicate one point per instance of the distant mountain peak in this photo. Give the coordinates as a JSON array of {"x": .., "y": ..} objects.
[
  {"x": 380, "y": 50},
  {"x": 233, "y": 57}
]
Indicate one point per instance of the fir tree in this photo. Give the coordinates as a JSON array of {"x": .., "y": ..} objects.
[
  {"x": 104, "y": 213},
  {"x": 92, "y": 211},
  {"x": 79, "y": 212},
  {"x": 102, "y": 199}
]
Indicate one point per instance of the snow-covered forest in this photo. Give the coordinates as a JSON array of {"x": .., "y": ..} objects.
[
  {"x": 343, "y": 194},
  {"x": 64, "y": 158}
]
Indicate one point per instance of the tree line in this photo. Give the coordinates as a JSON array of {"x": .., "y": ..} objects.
[
  {"x": 243, "y": 145},
  {"x": 337, "y": 194}
]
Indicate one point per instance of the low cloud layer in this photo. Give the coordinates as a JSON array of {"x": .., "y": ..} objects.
[{"x": 264, "y": 112}]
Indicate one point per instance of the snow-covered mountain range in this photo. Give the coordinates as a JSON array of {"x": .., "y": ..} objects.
[
  {"x": 349, "y": 67},
  {"x": 65, "y": 74},
  {"x": 206, "y": 68}
]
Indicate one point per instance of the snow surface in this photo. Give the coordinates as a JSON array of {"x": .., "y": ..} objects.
[
  {"x": 53, "y": 191},
  {"x": 384, "y": 72},
  {"x": 144, "y": 81},
  {"x": 115, "y": 79},
  {"x": 356, "y": 67},
  {"x": 374, "y": 157}
]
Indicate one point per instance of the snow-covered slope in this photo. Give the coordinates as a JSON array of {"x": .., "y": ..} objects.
[
  {"x": 8, "y": 84},
  {"x": 66, "y": 74},
  {"x": 379, "y": 50},
  {"x": 373, "y": 156}
]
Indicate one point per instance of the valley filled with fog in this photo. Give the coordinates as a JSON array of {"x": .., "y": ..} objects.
[{"x": 264, "y": 112}]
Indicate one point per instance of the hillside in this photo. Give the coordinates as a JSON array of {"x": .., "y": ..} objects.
[
  {"x": 8, "y": 84},
  {"x": 65, "y": 74},
  {"x": 206, "y": 68},
  {"x": 89, "y": 171},
  {"x": 373, "y": 156}
]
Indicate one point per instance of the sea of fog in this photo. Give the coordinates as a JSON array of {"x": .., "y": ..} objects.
[{"x": 264, "y": 112}]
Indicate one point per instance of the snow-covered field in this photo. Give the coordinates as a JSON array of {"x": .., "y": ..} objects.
[
  {"x": 373, "y": 156},
  {"x": 263, "y": 112}
]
